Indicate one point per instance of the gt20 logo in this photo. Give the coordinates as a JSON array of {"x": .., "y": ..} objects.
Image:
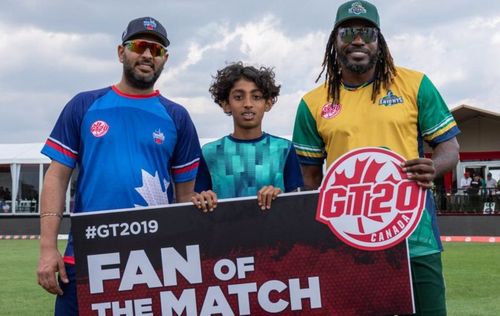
[
  {"x": 367, "y": 201},
  {"x": 370, "y": 201}
]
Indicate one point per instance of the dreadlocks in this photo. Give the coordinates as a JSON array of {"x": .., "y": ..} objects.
[{"x": 385, "y": 71}]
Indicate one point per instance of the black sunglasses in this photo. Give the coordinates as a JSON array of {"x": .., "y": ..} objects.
[{"x": 349, "y": 34}]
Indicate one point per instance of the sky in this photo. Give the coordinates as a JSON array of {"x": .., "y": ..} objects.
[{"x": 53, "y": 49}]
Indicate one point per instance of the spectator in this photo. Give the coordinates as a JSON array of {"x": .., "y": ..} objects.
[
  {"x": 7, "y": 195},
  {"x": 491, "y": 188},
  {"x": 465, "y": 183},
  {"x": 473, "y": 192},
  {"x": 4, "y": 207},
  {"x": 491, "y": 183},
  {"x": 482, "y": 185}
]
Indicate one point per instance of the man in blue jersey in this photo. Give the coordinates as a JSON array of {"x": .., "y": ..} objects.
[
  {"x": 133, "y": 147},
  {"x": 248, "y": 162}
]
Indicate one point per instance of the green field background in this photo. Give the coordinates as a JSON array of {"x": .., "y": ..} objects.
[{"x": 472, "y": 273}]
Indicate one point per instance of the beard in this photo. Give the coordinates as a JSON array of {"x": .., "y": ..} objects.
[
  {"x": 138, "y": 80},
  {"x": 358, "y": 68}
]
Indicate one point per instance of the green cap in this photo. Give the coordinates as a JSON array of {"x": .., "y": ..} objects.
[{"x": 357, "y": 9}]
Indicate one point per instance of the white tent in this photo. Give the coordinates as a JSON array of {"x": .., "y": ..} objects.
[
  {"x": 16, "y": 155},
  {"x": 22, "y": 154}
]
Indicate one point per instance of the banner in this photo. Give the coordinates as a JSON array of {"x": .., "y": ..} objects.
[{"x": 237, "y": 260}]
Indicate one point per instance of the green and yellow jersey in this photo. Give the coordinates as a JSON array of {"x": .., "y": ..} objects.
[{"x": 401, "y": 118}]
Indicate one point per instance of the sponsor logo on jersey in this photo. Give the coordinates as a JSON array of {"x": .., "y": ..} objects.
[
  {"x": 150, "y": 24},
  {"x": 99, "y": 128},
  {"x": 367, "y": 200},
  {"x": 330, "y": 110},
  {"x": 158, "y": 137},
  {"x": 357, "y": 8},
  {"x": 390, "y": 99}
]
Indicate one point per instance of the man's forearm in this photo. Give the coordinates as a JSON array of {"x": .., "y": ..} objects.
[
  {"x": 49, "y": 229},
  {"x": 312, "y": 175},
  {"x": 445, "y": 156},
  {"x": 52, "y": 204}
]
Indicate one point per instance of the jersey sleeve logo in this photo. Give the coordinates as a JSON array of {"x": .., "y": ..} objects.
[
  {"x": 330, "y": 110},
  {"x": 367, "y": 200},
  {"x": 99, "y": 128}
]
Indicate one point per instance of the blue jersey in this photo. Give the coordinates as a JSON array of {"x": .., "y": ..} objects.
[
  {"x": 238, "y": 168},
  {"x": 129, "y": 149}
]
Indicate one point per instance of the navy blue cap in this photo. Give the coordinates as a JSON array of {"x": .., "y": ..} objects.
[{"x": 146, "y": 25}]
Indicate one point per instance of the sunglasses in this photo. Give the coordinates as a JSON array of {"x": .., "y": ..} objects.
[
  {"x": 139, "y": 46},
  {"x": 349, "y": 34}
]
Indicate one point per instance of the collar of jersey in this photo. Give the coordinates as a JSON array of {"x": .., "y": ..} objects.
[
  {"x": 135, "y": 96},
  {"x": 358, "y": 87},
  {"x": 236, "y": 140}
]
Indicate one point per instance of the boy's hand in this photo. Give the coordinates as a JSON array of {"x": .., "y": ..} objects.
[
  {"x": 205, "y": 200},
  {"x": 266, "y": 195}
]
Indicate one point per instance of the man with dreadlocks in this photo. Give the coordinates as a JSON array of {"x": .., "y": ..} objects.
[{"x": 368, "y": 101}]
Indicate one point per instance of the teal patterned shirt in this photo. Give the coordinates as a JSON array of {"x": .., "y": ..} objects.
[{"x": 238, "y": 168}]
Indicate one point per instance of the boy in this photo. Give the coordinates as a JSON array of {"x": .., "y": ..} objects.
[{"x": 247, "y": 162}]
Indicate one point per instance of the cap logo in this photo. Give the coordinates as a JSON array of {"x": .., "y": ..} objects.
[
  {"x": 330, "y": 110},
  {"x": 367, "y": 200},
  {"x": 357, "y": 9},
  {"x": 99, "y": 128},
  {"x": 150, "y": 24}
]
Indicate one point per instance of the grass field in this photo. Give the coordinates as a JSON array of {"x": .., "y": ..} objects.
[{"x": 472, "y": 273}]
